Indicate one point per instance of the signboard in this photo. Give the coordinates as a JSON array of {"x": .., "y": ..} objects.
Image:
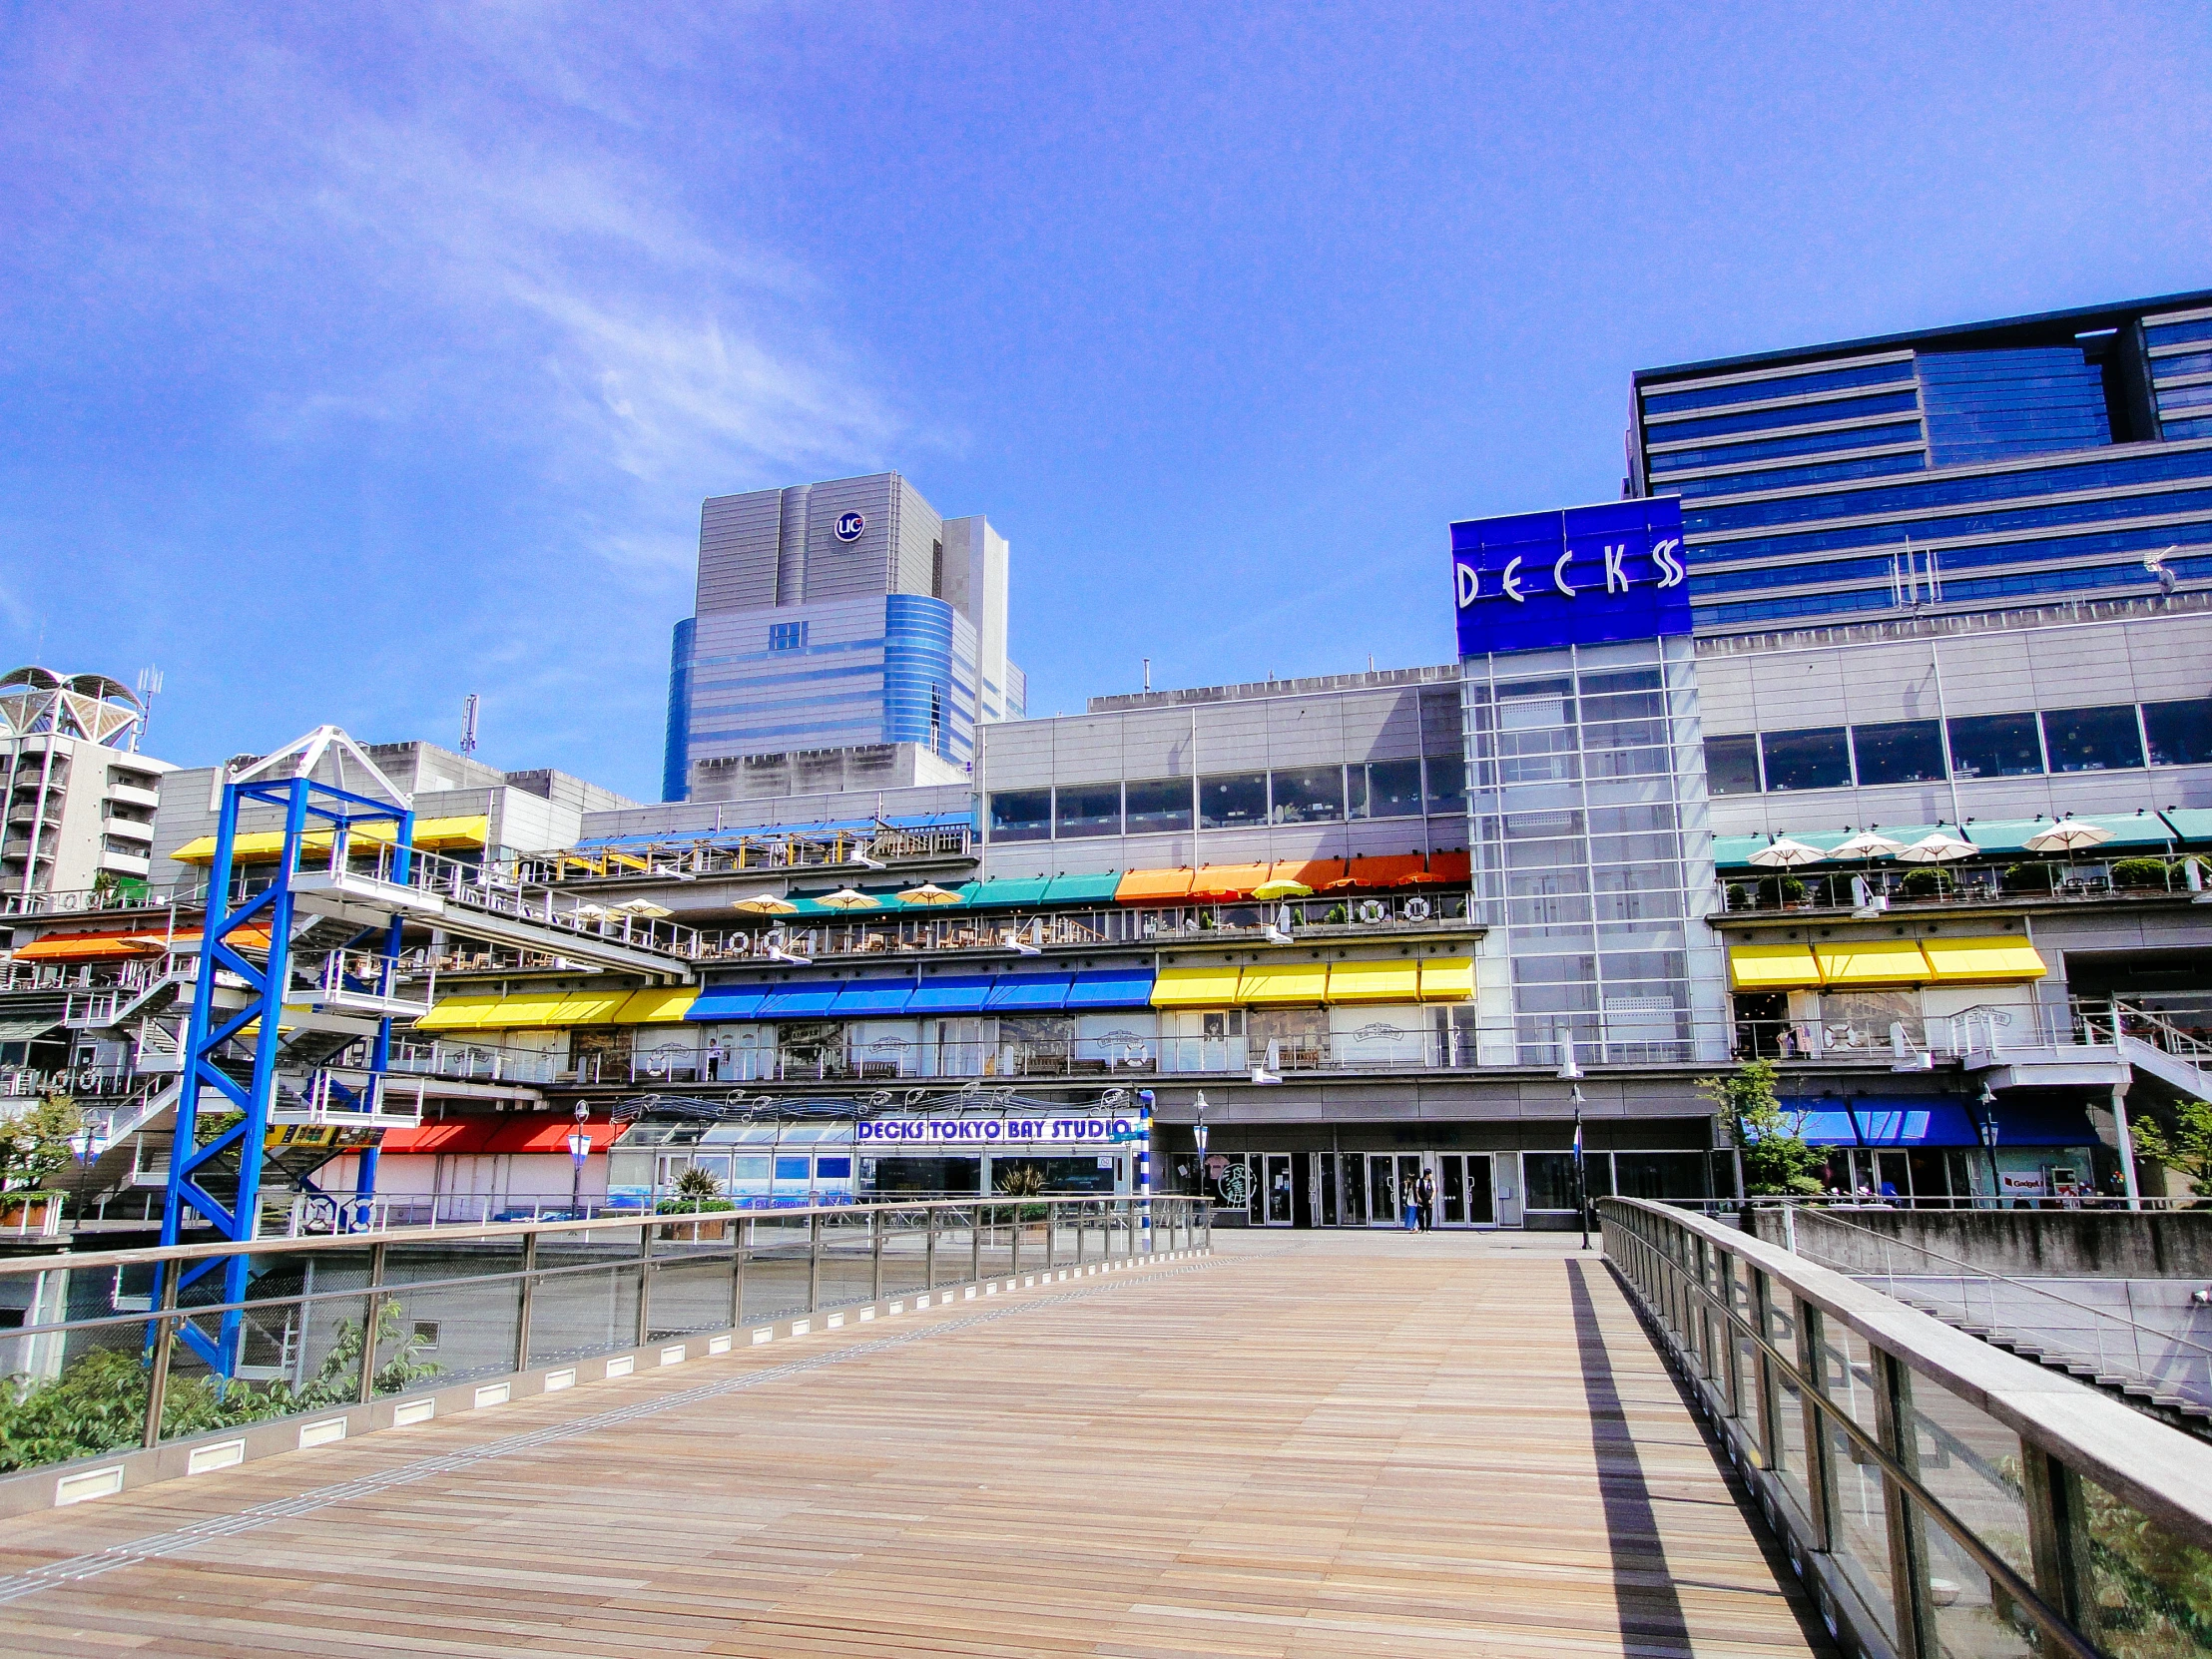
[
  {"x": 981, "y": 1132},
  {"x": 1583, "y": 576}
]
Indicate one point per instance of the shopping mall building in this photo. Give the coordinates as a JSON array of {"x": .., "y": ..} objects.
[{"x": 1869, "y": 730}]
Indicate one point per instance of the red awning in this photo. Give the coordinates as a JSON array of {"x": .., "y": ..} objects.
[
  {"x": 536, "y": 1132},
  {"x": 548, "y": 1132},
  {"x": 1451, "y": 867}
]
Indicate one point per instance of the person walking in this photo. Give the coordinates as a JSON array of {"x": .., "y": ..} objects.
[{"x": 1426, "y": 1195}]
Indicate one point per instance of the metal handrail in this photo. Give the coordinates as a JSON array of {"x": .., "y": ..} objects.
[{"x": 1671, "y": 1259}]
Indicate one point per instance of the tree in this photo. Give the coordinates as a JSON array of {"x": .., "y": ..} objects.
[
  {"x": 36, "y": 1142},
  {"x": 1776, "y": 1158},
  {"x": 2187, "y": 1151}
]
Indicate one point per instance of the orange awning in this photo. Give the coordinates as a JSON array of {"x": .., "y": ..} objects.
[
  {"x": 1228, "y": 881},
  {"x": 1153, "y": 886},
  {"x": 1384, "y": 871},
  {"x": 1452, "y": 866},
  {"x": 88, "y": 947},
  {"x": 1308, "y": 872}
]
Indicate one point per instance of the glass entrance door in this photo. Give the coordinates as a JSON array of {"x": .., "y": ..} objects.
[
  {"x": 1280, "y": 1196},
  {"x": 1464, "y": 1194}
]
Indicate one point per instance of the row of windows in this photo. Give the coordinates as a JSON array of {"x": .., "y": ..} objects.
[
  {"x": 1952, "y": 560},
  {"x": 2172, "y": 334},
  {"x": 2021, "y": 744},
  {"x": 1233, "y": 799},
  {"x": 1800, "y": 444},
  {"x": 2177, "y": 430},
  {"x": 1804, "y": 415},
  {"x": 1921, "y": 531},
  {"x": 2188, "y": 363},
  {"x": 1938, "y": 490},
  {"x": 1786, "y": 385},
  {"x": 1789, "y": 477},
  {"x": 1955, "y": 592}
]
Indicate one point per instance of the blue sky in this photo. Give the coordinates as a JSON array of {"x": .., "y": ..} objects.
[{"x": 353, "y": 362}]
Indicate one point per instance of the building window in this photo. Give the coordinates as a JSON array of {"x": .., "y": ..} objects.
[
  {"x": 2180, "y": 733},
  {"x": 1090, "y": 809},
  {"x": 1393, "y": 789},
  {"x": 1232, "y": 801},
  {"x": 1159, "y": 806},
  {"x": 1814, "y": 758},
  {"x": 1898, "y": 751},
  {"x": 1021, "y": 816},
  {"x": 1995, "y": 746},
  {"x": 1732, "y": 765},
  {"x": 2092, "y": 740},
  {"x": 786, "y": 636},
  {"x": 1309, "y": 794},
  {"x": 1448, "y": 783}
]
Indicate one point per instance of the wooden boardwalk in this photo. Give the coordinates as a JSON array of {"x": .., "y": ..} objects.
[{"x": 1312, "y": 1445}]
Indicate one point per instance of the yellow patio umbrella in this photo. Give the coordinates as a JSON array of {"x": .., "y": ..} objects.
[
  {"x": 644, "y": 907},
  {"x": 1283, "y": 887},
  {"x": 849, "y": 899},
  {"x": 765, "y": 905}
]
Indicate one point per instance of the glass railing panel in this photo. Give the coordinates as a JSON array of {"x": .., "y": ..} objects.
[{"x": 2144, "y": 1594}]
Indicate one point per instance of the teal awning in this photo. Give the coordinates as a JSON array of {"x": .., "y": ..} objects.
[
  {"x": 1007, "y": 893},
  {"x": 1083, "y": 890}
]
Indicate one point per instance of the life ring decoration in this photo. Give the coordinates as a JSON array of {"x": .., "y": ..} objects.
[
  {"x": 1417, "y": 909},
  {"x": 1372, "y": 909}
]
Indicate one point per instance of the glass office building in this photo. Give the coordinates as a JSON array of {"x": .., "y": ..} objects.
[{"x": 2067, "y": 454}]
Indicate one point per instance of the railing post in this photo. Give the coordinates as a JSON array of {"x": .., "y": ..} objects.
[
  {"x": 165, "y": 1342},
  {"x": 1820, "y": 1466},
  {"x": 371, "y": 1314},
  {"x": 875, "y": 1255},
  {"x": 645, "y": 1282},
  {"x": 1913, "y": 1616},
  {"x": 929, "y": 1252},
  {"x": 1014, "y": 1242},
  {"x": 975, "y": 1244},
  {"x": 2055, "y": 1536},
  {"x": 741, "y": 1236},
  {"x": 1051, "y": 1226},
  {"x": 813, "y": 1261},
  {"x": 525, "y": 1302}
]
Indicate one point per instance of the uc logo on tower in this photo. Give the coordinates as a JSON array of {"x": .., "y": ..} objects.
[{"x": 850, "y": 526}]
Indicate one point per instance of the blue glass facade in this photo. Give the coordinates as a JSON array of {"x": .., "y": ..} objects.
[
  {"x": 676, "y": 755},
  {"x": 928, "y": 691},
  {"x": 2044, "y": 455}
]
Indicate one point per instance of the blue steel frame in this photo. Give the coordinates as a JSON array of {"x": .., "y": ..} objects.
[{"x": 303, "y": 801}]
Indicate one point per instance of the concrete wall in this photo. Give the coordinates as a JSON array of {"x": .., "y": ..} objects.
[{"x": 2019, "y": 1243}]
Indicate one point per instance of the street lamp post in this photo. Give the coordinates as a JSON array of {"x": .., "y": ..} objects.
[
  {"x": 1198, "y": 1137},
  {"x": 1988, "y": 1131},
  {"x": 579, "y": 1148}
]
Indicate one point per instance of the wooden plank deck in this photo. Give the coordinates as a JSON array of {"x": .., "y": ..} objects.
[{"x": 1312, "y": 1445}]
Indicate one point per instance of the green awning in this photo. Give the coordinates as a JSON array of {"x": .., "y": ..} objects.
[
  {"x": 1082, "y": 890},
  {"x": 2192, "y": 824},
  {"x": 1006, "y": 893},
  {"x": 2130, "y": 832}
]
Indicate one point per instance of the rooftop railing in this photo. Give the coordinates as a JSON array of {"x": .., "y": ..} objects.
[
  {"x": 340, "y": 1334},
  {"x": 1938, "y": 1496},
  {"x": 2035, "y": 879}
]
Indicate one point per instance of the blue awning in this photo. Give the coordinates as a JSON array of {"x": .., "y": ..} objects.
[
  {"x": 1934, "y": 1121},
  {"x": 1030, "y": 993},
  {"x": 720, "y": 1003},
  {"x": 803, "y": 999},
  {"x": 1114, "y": 987},
  {"x": 951, "y": 993},
  {"x": 876, "y": 997}
]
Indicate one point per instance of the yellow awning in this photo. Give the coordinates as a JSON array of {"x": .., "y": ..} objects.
[
  {"x": 524, "y": 1010},
  {"x": 1871, "y": 962},
  {"x": 1996, "y": 959},
  {"x": 1772, "y": 967},
  {"x": 1284, "y": 982},
  {"x": 457, "y": 1013},
  {"x": 657, "y": 1007},
  {"x": 265, "y": 845},
  {"x": 1448, "y": 978},
  {"x": 1398, "y": 981},
  {"x": 591, "y": 1007},
  {"x": 1194, "y": 987}
]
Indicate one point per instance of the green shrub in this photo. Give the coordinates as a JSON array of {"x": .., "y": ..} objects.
[
  {"x": 2140, "y": 872},
  {"x": 2027, "y": 877},
  {"x": 1923, "y": 883}
]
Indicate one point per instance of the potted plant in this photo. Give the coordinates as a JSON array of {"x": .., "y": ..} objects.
[
  {"x": 2140, "y": 873},
  {"x": 697, "y": 1193}
]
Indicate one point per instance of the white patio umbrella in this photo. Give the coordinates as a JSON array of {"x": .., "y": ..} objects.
[
  {"x": 929, "y": 893},
  {"x": 2067, "y": 836},
  {"x": 849, "y": 899},
  {"x": 1937, "y": 848},
  {"x": 1868, "y": 846},
  {"x": 644, "y": 907},
  {"x": 765, "y": 905},
  {"x": 1786, "y": 853}
]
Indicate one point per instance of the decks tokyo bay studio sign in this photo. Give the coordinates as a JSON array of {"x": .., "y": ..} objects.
[
  {"x": 978, "y": 1131},
  {"x": 1584, "y": 576}
]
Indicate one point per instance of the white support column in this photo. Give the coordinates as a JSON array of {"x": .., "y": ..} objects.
[{"x": 2126, "y": 1139}]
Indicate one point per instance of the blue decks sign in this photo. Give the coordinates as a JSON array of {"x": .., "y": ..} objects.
[{"x": 1579, "y": 577}]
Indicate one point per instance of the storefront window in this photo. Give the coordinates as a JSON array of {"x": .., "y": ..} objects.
[
  {"x": 1393, "y": 789},
  {"x": 1309, "y": 794},
  {"x": 1232, "y": 801},
  {"x": 1022, "y": 814},
  {"x": 1090, "y": 809},
  {"x": 1159, "y": 806},
  {"x": 2092, "y": 740},
  {"x": 1995, "y": 746},
  {"x": 1898, "y": 751},
  {"x": 2180, "y": 733},
  {"x": 1814, "y": 758},
  {"x": 1448, "y": 783},
  {"x": 1732, "y": 765}
]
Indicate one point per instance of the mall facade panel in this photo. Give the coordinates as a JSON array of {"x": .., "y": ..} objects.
[{"x": 1953, "y": 469}]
